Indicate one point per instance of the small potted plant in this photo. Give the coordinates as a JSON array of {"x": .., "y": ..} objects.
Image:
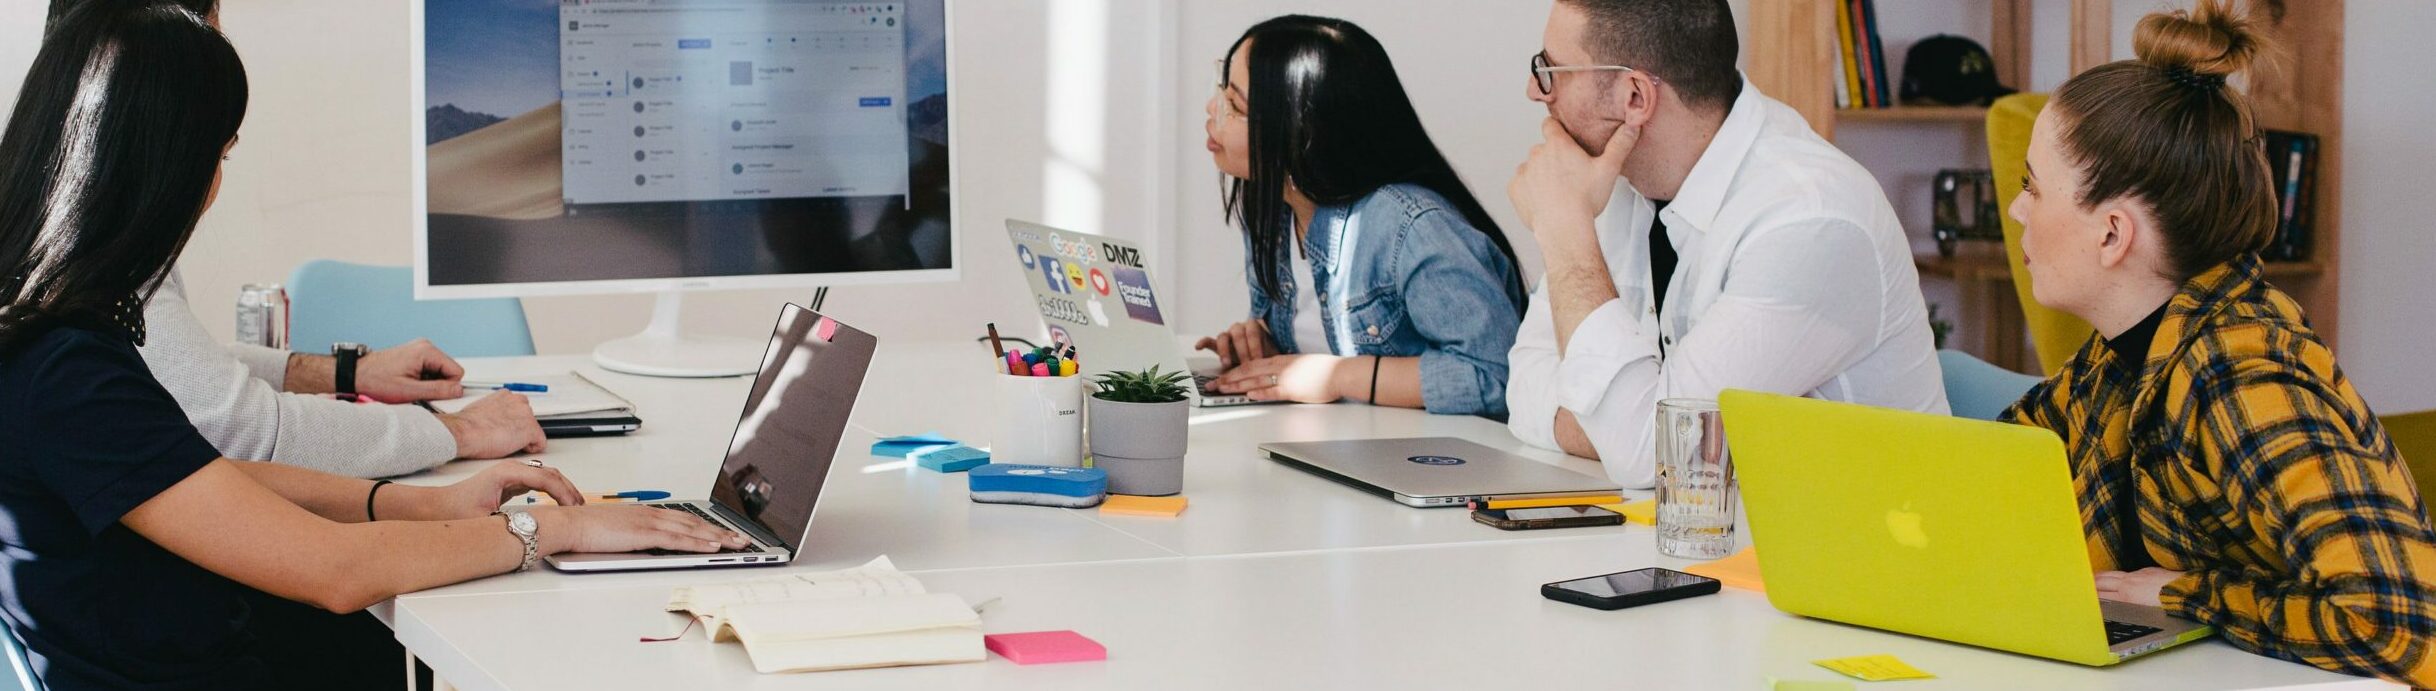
[{"x": 1138, "y": 430}]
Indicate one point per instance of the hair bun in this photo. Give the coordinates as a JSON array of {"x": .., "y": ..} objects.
[{"x": 2209, "y": 40}]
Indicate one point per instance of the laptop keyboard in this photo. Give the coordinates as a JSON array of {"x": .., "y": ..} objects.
[
  {"x": 748, "y": 548},
  {"x": 2118, "y": 632}
]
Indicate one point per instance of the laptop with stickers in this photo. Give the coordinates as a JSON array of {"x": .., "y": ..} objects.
[{"x": 1097, "y": 293}]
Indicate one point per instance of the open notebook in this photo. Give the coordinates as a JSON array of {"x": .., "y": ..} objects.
[
  {"x": 569, "y": 394},
  {"x": 868, "y": 616}
]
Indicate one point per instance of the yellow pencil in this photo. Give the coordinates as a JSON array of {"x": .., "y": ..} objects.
[{"x": 1549, "y": 501}]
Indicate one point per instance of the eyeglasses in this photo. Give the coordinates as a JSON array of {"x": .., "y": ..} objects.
[
  {"x": 1544, "y": 74},
  {"x": 1223, "y": 101}
]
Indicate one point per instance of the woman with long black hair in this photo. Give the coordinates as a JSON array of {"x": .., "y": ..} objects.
[
  {"x": 133, "y": 554},
  {"x": 1414, "y": 293}
]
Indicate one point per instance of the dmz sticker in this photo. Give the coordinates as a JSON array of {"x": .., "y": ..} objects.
[
  {"x": 1133, "y": 286},
  {"x": 1436, "y": 460}
]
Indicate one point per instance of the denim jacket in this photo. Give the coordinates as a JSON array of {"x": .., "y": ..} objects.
[{"x": 1419, "y": 281}]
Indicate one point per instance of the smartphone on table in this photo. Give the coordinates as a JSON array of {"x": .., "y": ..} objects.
[
  {"x": 1548, "y": 517},
  {"x": 1629, "y": 588}
]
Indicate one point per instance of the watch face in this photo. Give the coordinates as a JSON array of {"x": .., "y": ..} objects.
[{"x": 522, "y": 522}]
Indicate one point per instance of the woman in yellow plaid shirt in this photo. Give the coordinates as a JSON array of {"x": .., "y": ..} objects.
[{"x": 2227, "y": 471}]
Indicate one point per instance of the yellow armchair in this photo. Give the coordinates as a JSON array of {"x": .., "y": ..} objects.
[
  {"x": 2054, "y": 334},
  {"x": 2414, "y": 435}
]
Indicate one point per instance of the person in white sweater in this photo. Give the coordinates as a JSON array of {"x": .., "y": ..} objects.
[{"x": 261, "y": 404}]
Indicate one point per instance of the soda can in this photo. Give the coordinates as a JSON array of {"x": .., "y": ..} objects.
[{"x": 262, "y": 315}]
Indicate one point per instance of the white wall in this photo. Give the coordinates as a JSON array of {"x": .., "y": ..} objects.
[
  {"x": 20, "y": 36},
  {"x": 322, "y": 168},
  {"x": 2389, "y": 245}
]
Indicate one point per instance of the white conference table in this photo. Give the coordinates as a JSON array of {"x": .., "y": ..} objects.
[{"x": 1272, "y": 577}]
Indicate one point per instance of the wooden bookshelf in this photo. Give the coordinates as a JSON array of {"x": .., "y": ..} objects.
[{"x": 1793, "y": 55}]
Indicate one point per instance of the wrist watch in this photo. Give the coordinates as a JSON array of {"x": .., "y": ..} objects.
[
  {"x": 522, "y": 525},
  {"x": 344, "y": 373}
]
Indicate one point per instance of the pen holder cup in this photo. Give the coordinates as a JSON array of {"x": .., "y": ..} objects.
[{"x": 1040, "y": 421}]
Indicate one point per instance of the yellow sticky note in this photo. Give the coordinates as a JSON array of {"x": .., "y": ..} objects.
[
  {"x": 1775, "y": 684},
  {"x": 1644, "y": 511},
  {"x": 1874, "y": 668},
  {"x": 1129, "y": 505},
  {"x": 1737, "y": 570}
]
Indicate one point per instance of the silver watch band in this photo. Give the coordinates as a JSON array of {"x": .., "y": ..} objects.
[{"x": 532, "y": 543}]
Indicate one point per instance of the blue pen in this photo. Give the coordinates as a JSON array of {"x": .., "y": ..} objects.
[
  {"x": 634, "y": 495},
  {"x": 519, "y": 387}
]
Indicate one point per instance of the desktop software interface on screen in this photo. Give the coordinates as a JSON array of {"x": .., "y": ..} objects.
[
  {"x": 744, "y": 100},
  {"x": 592, "y": 140}
]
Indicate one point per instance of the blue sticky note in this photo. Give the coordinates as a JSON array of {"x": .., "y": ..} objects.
[
  {"x": 923, "y": 438},
  {"x": 955, "y": 458},
  {"x": 906, "y": 446},
  {"x": 904, "y": 450}
]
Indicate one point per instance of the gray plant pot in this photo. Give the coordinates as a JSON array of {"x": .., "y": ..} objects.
[{"x": 1140, "y": 445}]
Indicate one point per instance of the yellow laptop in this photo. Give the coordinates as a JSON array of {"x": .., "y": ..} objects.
[{"x": 1949, "y": 528}]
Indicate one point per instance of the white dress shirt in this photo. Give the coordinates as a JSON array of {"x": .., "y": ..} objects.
[{"x": 1795, "y": 278}]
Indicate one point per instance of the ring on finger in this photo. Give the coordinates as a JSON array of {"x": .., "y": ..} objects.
[{"x": 532, "y": 462}]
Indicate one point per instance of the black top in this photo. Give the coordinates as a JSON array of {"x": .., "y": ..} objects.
[
  {"x": 86, "y": 435},
  {"x": 2131, "y": 346},
  {"x": 1662, "y": 257}
]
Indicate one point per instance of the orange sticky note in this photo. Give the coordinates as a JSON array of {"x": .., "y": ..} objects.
[
  {"x": 1642, "y": 511},
  {"x": 1740, "y": 570},
  {"x": 1129, "y": 505}
]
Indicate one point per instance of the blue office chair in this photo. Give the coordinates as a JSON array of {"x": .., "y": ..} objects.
[
  {"x": 1978, "y": 390},
  {"x": 334, "y": 301},
  {"x": 20, "y": 672}
]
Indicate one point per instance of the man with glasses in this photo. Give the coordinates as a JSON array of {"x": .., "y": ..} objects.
[{"x": 1698, "y": 237}]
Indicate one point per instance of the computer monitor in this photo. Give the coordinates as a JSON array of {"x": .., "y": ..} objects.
[{"x": 613, "y": 146}]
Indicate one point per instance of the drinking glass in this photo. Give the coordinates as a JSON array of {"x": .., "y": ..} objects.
[{"x": 1695, "y": 481}]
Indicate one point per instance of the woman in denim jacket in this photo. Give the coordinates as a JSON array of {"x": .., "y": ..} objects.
[{"x": 1414, "y": 293}]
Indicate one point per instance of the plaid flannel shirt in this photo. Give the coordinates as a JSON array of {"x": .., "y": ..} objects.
[{"x": 2239, "y": 455}]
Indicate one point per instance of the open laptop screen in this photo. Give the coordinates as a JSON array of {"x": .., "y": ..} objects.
[{"x": 793, "y": 420}]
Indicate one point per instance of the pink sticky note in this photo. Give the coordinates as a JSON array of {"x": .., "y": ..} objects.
[{"x": 1043, "y": 647}]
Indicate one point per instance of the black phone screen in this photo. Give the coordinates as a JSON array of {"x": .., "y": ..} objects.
[{"x": 1631, "y": 582}]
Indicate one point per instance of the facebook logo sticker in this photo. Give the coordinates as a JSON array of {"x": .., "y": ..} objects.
[{"x": 1054, "y": 270}]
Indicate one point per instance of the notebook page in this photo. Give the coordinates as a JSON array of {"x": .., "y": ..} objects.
[{"x": 569, "y": 393}]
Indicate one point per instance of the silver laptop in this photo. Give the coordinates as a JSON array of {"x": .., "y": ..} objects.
[
  {"x": 1435, "y": 471},
  {"x": 1097, "y": 292},
  {"x": 779, "y": 457}
]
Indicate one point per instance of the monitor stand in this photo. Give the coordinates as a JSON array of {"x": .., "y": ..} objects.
[{"x": 659, "y": 351}]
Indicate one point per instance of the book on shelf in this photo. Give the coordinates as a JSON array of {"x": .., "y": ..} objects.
[
  {"x": 868, "y": 616},
  {"x": 2292, "y": 162},
  {"x": 1884, "y": 94},
  {"x": 1861, "y": 80},
  {"x": 1847, "y": 79}
]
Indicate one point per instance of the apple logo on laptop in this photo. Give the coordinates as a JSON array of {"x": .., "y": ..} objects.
[
  {"x": 1099, "y": 313},
  {"x": 1904, "y": 524},
  {"x": 1436, "y": 460}
]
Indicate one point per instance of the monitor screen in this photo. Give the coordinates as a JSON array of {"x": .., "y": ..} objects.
[
  {"x": 793, "y": 420},
  {"x": 585, "y": 145}
]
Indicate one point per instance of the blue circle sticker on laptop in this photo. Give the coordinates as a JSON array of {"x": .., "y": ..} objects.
[{"x": 1436, "y": 460}]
